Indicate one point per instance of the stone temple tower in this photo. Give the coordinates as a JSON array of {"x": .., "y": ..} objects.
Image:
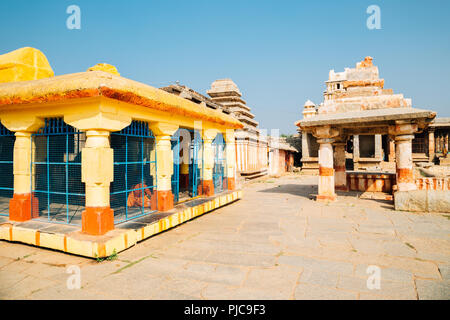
[
  {"x": 251, "y": 146},
  {"x": 227, "y": 93},
  {"x": 309, "y": 109}
]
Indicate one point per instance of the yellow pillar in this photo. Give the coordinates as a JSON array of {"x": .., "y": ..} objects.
[
  {"x": 208, "y": 161},
  {"x": 230, "y": 153},
  {"x": 97, "y": 172},
  {"x": 23, "y": 206},
  {"x": 164, "y": 163},
  {"x": 97, "y": 167}
]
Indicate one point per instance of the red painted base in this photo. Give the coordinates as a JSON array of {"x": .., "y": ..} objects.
[
  {"x": 23, "y": 207},
  {"x": 325, "y": 198},
  {"x": 165, "y": 200},
  {"x": 341, "y": 188},
  {"x": 97, "y": 221},
  {"x": 231, "y": 184},
  {"x": 200, "y": 190},
  {"x": 208, "y": 188}
]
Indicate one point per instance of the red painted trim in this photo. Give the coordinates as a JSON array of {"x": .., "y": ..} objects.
[
  {"x": 23, "y": 207},
  {"x": 97, "y": 220}
]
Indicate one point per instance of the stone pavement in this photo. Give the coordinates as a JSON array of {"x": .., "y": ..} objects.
[{"x": 275, "y": 243}]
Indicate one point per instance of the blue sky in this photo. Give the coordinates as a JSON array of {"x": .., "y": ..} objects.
[{"x": 279, "y": 53}]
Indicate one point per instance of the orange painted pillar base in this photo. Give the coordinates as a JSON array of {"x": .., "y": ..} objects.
[
  {"x": 153, "y": 200},
  {"x": 184, "y": 180},
  {"x": 231, "y": 184},
  {"x": 97, "y": 221},
  {"x": 208, "y": 188},
  {"x": 165, "y": 200},
  {"x": 200, "y": 189},
  {"x": 325, "y": 198},
  {"x": 23, "y": 207}
]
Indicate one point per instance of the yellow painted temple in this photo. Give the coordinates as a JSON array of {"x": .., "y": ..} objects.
[{"x": 99, "y": 157}]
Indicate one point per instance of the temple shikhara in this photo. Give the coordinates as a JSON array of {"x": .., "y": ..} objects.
[{"x": 364, "y": 137}]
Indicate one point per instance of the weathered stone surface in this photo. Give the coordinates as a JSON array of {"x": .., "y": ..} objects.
[
  {"x": 269, "y": 245},
  {"x": 314, "y": 292},
  {"x": 423, "y": 201},
  {"x": 433, "y": 290}
]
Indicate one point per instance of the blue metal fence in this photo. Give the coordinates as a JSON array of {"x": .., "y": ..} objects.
[
  {"x": 6, "y": 169},
  {"x": 175, "y": 179},
  {"x": 196, "y": 164},
  {"x": 133, "y": 191},
  {"x": 56, "y": 172},
  {"x": 219, "y": 179}
]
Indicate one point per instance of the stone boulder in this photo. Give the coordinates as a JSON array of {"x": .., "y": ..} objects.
[{"x": 422, "y": 201}]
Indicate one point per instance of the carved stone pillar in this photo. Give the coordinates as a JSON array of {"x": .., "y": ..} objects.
[
  {"x": 431, "y": 144},
  {"x": 404, "y": 134},
  {"x": 326, "y": 136},
  {"x": 340, "y": 176}
]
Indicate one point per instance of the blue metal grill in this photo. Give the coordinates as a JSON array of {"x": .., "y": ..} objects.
[
  {"x": 133, "y": 191},
  {"x": 175, "y": 179},
  {"x": 56, "y": 172},
  {"x": 219, "y": 180},
  {"x": 6, "y": 169},
  {"x": 196, "y": 164}
]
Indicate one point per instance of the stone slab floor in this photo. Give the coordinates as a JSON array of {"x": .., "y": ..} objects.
[{"x": 275, "y": 243}]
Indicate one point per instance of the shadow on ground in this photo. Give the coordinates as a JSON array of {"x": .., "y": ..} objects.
[
  {"x": 305, "y": 191},
  {"x": 309, "y": 191}
]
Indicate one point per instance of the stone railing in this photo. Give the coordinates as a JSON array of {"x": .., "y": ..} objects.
[
  {"x": 370, "y": 181},
  {"x": 433, "y": 183}
]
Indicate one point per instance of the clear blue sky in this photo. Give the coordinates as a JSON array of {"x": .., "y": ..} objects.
[{"x": 278, "y": 52}]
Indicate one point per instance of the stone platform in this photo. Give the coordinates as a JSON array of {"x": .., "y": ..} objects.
[{"x": 68, "y": 238}]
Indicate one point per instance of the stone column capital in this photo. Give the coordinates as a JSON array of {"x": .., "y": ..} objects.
[
  {"x": 326, "y": 140},
  {"x": 404, "y": 137},
  {"x": 403, "y": 129},
  {"x": 17, "y": 123},
  {"x": 102, "y": 121},
  {"x": 325, "y": 132},
  {"x": 163, "y": 129}
]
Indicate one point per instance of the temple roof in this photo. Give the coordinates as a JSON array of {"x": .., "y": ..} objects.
[
  {"x": 309, "y": 103},
  {"x": 100, "y": 83},
  {"x": 366, "y": 116}
]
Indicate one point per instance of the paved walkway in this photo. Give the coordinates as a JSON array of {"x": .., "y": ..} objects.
[{"x": 276, "y": 243}]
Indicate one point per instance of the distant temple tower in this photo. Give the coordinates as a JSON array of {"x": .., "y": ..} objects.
[
  {"x": 251, "y": 147},
  {"x": 227, "y": 93},
  {"x": 309, "y": 109}
]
